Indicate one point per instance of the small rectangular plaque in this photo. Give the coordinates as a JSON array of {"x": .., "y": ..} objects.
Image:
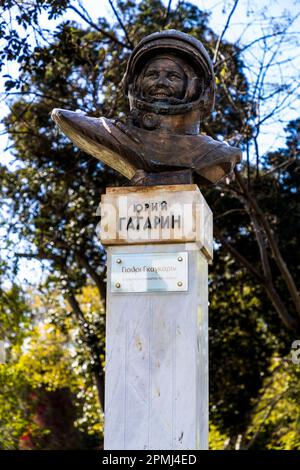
[{"x": 149, "y": 272}]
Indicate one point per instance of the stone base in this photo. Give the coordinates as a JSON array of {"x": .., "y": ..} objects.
[{"x": 157, "y": 360}]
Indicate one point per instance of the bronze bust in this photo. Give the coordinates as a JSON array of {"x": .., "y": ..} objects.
[{"x": 170, "y": 84}]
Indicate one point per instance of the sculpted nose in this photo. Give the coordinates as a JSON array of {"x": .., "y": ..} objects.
[{"x": 162, "y": 80}]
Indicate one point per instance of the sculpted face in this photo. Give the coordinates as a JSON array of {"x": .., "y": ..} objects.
[{"x": 163, "y": 79}]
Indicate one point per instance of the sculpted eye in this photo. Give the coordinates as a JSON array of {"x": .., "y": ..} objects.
[
  {"x": 151, "y": 74},
  {"x": 174, "y": 76}
]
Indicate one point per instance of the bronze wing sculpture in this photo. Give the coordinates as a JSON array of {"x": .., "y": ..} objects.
[{"x": 170, "y": 84}]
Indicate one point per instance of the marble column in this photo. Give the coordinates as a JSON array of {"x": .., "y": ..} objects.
[{"x": 157, "y": 359}]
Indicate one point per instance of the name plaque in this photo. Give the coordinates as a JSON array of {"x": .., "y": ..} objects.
[
  {"x": 155, "y": 215},
  {"x": 149, "y": 272}
]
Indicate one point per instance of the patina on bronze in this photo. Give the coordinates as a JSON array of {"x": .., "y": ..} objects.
[{"x": 170, "y": 84}]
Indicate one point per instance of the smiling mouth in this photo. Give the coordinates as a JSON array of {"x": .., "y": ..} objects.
[{"x": 160, "y": 94}]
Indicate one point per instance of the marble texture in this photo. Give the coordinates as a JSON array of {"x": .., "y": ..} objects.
[{"x": 157, "y": 361}]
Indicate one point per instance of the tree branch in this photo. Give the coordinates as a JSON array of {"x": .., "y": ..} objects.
[
  {"x": 237, "y": 255},
  {"x": 224, "y": 30},
  {"x": 273, "y": 244},
  {"x": 266, "y": 281},
  {"x": 98, "y": 370},
  {"x": 265, "y": 417},
  {"x": 166, "y": 16},
  {"x": 90, "y": 339},
  {"x": 121, "y": 24},
  {"x": 98, "y": 279},
  {"x": 250, "y": 44},
  {"x": 101, "y": 30}
]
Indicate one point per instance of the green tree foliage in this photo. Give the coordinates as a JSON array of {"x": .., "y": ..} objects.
[
  {"x": 47, "y": 399},
  {"x": 275, "y": 423},
  {"x": 15, "y": 316},
  {"x": 53, "y": 192}
]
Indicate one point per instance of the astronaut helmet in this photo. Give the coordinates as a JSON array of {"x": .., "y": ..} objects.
[{"x": 188, "y": 56}]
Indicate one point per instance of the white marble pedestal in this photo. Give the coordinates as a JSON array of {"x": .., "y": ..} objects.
[
  {"x": 157, "y": 329},
  {"x": 157, "y": 361}
]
